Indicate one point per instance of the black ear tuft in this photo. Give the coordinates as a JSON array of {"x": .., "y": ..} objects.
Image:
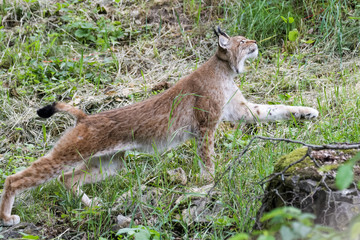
[
  {"x": 222, "y": 33},
  {"x": 47, "y": 111},
  {"x": 216, "y": 33}
]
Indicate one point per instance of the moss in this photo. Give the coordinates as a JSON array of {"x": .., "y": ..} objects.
[
  {"x": 294, "y": 156},
  {"x": 352, "y": 152},
  {"x": 297, "y": 154},
  {"x": 327, "y": 168}
]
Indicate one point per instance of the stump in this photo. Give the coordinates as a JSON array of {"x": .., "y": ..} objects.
[{"x": 312, "y": 189}]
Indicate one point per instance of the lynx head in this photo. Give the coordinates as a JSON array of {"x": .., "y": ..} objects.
[{"x": 235, "y": 50}]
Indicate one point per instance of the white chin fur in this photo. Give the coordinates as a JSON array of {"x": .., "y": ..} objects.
[
  {"x": 253, "y": 54},
  {"x": 240, "y": 67}
]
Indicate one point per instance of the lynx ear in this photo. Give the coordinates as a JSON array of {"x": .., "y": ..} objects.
[
  {"x": 224, "y": 39},
  {"x": 219, "y": 32},
  {"x": 224, "y": 42}
]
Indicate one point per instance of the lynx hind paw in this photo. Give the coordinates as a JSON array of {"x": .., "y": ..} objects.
[
  {"x": 95, "y": 202},
  {"x": 12, "y": 220}
]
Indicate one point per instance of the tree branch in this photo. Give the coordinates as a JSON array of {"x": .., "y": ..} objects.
[{"x": 334, "y": 146}]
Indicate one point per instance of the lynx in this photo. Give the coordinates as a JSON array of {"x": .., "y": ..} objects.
[{"x": 192, "y": 108}]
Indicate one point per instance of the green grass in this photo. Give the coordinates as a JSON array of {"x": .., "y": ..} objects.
[{"x": 76, "y": 52}]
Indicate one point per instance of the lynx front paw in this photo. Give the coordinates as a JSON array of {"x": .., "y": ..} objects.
[
  {"x": 10, "y": 221},
  {"x": 207, "y": 174},
  {"x": 311, "y": 113},
  {"x": 305, "y": 113}
]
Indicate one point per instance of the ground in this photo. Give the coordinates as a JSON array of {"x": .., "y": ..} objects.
[{"x": 99, "y": 55}]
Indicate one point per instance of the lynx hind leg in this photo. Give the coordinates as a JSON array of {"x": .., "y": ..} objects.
[
  {"x": 94, "y": 170},
  {"x": 42, "y": 170}
]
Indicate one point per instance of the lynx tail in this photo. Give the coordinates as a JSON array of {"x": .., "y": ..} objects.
[{"x": 51, "y": 109}]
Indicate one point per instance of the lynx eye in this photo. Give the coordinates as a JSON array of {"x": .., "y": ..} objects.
[{"x": 242, "y": 41}]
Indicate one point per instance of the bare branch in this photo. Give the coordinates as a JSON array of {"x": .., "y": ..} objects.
[{"x": 334, "y": 146}]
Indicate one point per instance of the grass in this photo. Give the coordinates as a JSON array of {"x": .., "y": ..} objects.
[{"x": 103, "y": 57}]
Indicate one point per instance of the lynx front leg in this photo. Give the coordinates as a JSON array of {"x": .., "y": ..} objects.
[
  {"x": 238, "y": 109},
  {"x": 95, "y": 170},
  {"x": 267, "y": 113},
  {"x": 250, "y": 112},
  {"x": 206, "y": 151},
  {"x": 208, "y": 114}
]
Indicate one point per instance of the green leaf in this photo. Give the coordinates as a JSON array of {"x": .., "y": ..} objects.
[
  {"x": 284, "y": 97},
  {"x": 91, "y": 38},
  {"x": 291, "y": 19},
  {"x": 310, "y": 41},
  {"x": 264, "y": 237},
  {"x": 355, "y": 231},
  {"x": 124, "y": 230},
  {"x": 155, "y": 235},
  {"x": 87, "y": 25},
  {"x": 241, "y": 236},
  {"x": 224, "y": 221},
  {"x": 293, "y": 35},
  {"x": 344, "y": 176},
  {"x": 284, "y": 212},
  {"x": 355, "y": 158},
  {"x": 274, "y": 213},
  {"x": 143, "y": 234},
  {"x": 82, "y": 32},
  {"x": 100, "y": 42},
  {"x": 301, "y": 229},
  {"x": 354, "y": 18},
  {"x": 139, "y": 233},
  {"x": 284, "y": 19},
  {"x": 116, "y": 23},
  {"x": 29, "y": 237},
  {"x": 306, "y": 218},
  {"x": 286, "y": 233}
]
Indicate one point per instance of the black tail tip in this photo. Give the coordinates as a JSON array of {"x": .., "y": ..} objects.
[{"x": 47, "y": 111}]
